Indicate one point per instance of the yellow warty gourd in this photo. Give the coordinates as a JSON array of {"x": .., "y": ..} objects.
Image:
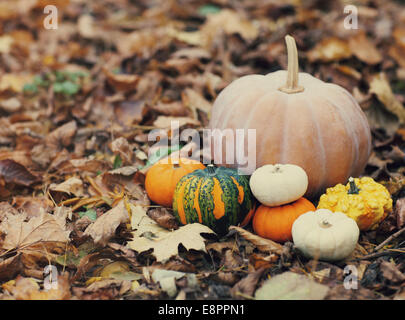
[{"x": 364, "y": 200}]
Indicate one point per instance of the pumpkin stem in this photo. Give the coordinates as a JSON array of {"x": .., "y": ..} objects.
[
  {"x": 325, "y": 224},
  {"x": 211, "y": 169},
  {"x": 292, "y": 70},
  {"x": 353, "y": 188}
]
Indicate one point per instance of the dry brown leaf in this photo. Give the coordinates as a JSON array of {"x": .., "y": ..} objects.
[
  {"x": 391, "y": 272},
  {"x": 121, "y": 146},
  {"x": 28, "y": 289},
  {"x": 247, "y": 286},
  {"x": 32, "y": 206},
  {"x": 163, "y": 218},
  {"x": 262, "y": 244},
  {"x": 381, "y": 88},
  {"x": 10, "y": 105},
  {"x": 42, "y": 228},
  {"x": 6, "y": 42},
  {"x": 364, "y": 49},
  {"x": 142, "y": 42},
  {"x": 103, "y": 229},
  {"x": 163, "y": 122},
  {"x": 90, "y": 165},
  {"x": 195, "y": 101},
  {"x": 10, "y": 267},
  {"x": 72, "y": 186},
  {"x": 230, "y": 22},
  {"x": 13, "y": 172},
  {"x": 60, "y": 138},
  {"x": 149, "y": 235},
  {"x": 330, "y": 49},
  {"x": 174, "y": 109},
  {"x": 14, "y": 82},
  {"x": 122, "y": 82},
  {"x": 399, "y": 212}
]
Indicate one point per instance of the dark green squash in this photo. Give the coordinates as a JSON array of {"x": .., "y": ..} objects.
[{"x": 217, "y": 197}]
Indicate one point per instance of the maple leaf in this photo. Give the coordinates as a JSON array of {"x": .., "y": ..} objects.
[
  {"x": 165, "y": 243},
  {"x": 42, "y": 228}
]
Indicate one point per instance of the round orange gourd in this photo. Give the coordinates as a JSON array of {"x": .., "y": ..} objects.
[
  {"x": 299, "y": 120},
  {"x": 275, "y": 223},
  {"x": 162, "y": 178}
]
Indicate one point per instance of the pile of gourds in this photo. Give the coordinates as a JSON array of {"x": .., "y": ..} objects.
[
  {"x": 218, "y": 197},
  {"x": 320, "y": 135},
  {"x": 215, "y": 196}
]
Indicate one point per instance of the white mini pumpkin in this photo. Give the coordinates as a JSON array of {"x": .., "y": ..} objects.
[
  {"x": 325, "y": 235},
  {"x": 275, "y": 185}
]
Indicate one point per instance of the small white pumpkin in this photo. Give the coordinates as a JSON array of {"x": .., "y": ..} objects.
[
  {"x": 274, "y": 185},
  {"x": 325, "y": 235}
]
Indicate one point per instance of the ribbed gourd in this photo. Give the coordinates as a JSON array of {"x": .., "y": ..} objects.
[
  {"x": 299, "y": 120},
  {"x": 217, "y": 197}
]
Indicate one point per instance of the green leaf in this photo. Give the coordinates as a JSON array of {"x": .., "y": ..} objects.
[
  {"x": 208, "y": 9},
  {"x": 30, "y": 88},
  {"x": 117, "y": 162},
  {"x": 91, "y": 213},
  {"x": 57, "y": 87},
  {"x": 39, "y": 81},
  {"x": 70, "y": 88},
  {"x": 161, "y": 153},
  {"x": 72, "y": 259}
]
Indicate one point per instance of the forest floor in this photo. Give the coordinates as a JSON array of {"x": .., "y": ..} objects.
[{"x": 77, "y": 104}]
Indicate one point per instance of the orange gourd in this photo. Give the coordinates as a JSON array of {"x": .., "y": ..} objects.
[
  {"x": 299, "y": 120},
  {"x": 162, "y": 178},
  {"x": 275, "y": 223}
]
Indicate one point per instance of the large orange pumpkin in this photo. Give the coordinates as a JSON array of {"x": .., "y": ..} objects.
[
  {"x": 275, "y": 223},
  {"x": 162, "y": 178},
  {"x": 316, "y": 125}
]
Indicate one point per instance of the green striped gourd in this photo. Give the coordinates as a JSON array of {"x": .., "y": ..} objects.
[{"x": 216, "y": 196}]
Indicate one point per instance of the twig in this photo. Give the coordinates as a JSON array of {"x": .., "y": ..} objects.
[
  {"x": 380, "y": 254},
  {"x": 389, "y": 239}
]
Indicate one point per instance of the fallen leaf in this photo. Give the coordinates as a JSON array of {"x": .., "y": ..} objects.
[
  {"x": 13, "y": 172},
  {"x": 330, "y": 49},
  {"x": 10, "y": 105},
  {"x": 42, "y": 228},
  {"x": 28, "y": 289},
  {"x": 247, "y": 286},
  {"x": 167, "y": 280},
  {"x": 164, "y": 122},
  {"x": 381, "y": 88},
  {"x": 163, "y": 218},
  {"x": 399, "y": 212},
  {"x": 103, "y": 229},
  {"x": 5, "y": 43},
  {"x": 391, "y": 272},
  {"x": 195, "y": 101},
  {"x": 291, "y": 286},
  {"x": 122, "y": 82},
  {"x": 72, "y": 186},
  {"x": 364, "y": 49},
  {"x": 262, "y": 244},
  {"x": 121, "y": 147},
  {"x": 149, "y": 235},
  {"x": 14, "y": 82}
]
